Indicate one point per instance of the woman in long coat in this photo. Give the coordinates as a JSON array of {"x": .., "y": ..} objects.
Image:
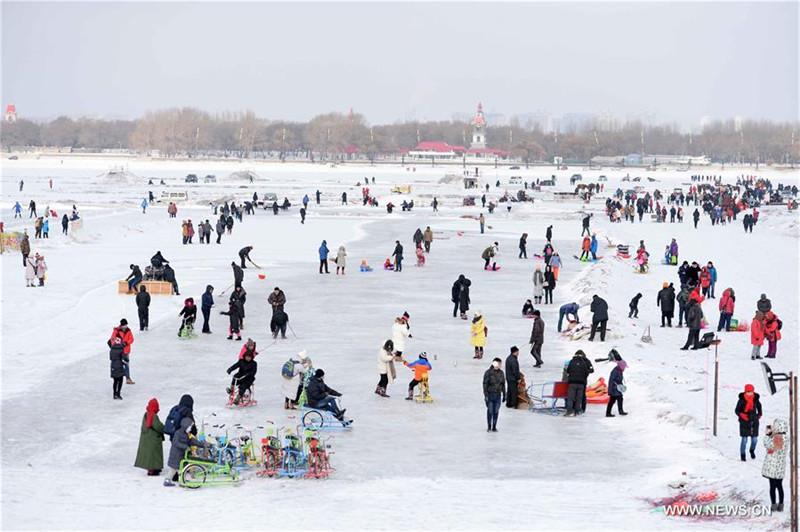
[{"x": 150, "y": 455}]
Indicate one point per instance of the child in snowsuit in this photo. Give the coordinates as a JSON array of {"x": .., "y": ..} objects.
[
  {"x": 527, "y": 308},
  {"x": 233, "y": 315},
  {"x": 117, "y": 355},
  {"x": 421, "y": 367},
  {"x": 245, "y": 376},
  {"x": 189, "y": 314},
  {"x": 634, "y": 305}
]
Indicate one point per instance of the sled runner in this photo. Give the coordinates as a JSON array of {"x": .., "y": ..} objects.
[
  {"x": 545, "y": 396},
  {"x": 424, "y": 395}
]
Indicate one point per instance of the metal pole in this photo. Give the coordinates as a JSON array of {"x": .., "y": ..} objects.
[
  {"x": 716, "y": 385},
  {"x": 793, "y": 450}
]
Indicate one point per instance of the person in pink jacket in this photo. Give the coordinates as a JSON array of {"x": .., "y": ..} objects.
[{"x": 726, "y": 305}]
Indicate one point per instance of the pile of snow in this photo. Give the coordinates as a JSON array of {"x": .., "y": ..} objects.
[
  {"x": 119, "y": 176},
  {"x": 245, "y": 175}
]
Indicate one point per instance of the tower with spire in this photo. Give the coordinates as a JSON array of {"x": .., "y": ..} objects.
[{"x": 478, "y": 130}]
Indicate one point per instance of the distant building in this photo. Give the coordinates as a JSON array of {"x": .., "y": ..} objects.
[
  {"x": 428, "y": 150},
  {"x": 737, "y": 124},
  {"x": 478, "y": 130},
  {"x": 11, "y": 113}
]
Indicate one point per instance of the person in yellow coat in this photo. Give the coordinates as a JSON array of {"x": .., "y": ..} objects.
[{"x": 478, "y": 333}]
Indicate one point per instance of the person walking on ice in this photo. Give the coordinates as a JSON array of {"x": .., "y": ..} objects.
[{"x": 494, "y": 393}]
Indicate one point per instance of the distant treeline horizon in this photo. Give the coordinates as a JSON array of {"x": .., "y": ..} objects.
[{"x": 191, "y": 131}]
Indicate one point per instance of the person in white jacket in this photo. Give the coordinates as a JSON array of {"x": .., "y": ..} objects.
[
  {"x": 30, "y": 271},
  {"x": 385, "y": 367},
  {"x": 293, "y": 387},
  {"x": 341, "y": 261},
  {"x": 400, "y": 331}
]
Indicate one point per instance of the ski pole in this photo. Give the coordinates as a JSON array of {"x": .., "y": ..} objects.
[
  {"x": 223, "y": 292},
  {"x": 290, "y": 328}
]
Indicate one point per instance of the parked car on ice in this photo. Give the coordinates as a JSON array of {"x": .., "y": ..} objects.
[{"x": 191, "y": 178}]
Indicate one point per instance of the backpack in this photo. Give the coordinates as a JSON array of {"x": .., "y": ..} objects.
[
  {"x": 780, "y": 325},
  {"x": 173, "y": 421},
  {"x": 288, "y": 371}
]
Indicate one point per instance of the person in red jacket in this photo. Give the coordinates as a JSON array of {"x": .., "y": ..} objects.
[
  {"x": 757, "y": 335},
  {"x": 585, "y": 246},
  {"x": 726, "y": 306},
  {"x": 705, "y": 280},
  {"x": 126, "y": 335},
  {"x": 695, "y": 294},
  {"x": 772, "y": 333}
]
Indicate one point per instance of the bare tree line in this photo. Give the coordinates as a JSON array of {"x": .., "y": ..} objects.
[{"x": 192, "y": 132}]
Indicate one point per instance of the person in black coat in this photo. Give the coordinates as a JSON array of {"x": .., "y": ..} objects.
[
  {"x": 693, "y": 274},
  {"x": 523, "y": 242},
  {"x": 459, "y": 295},
  {"x": 206, "y": 302},
  {"x": 748, "y": 411},
  {"x": 189, "y": 315},
  {"x": 494, "y": 393},
  {"x": 169, "y": 276},
  {"x": 634, "y": 306},
  {"x": 238, "y": 275},
  {"x": 158, "y": 260},
  {"x": 599, "y": 309},
  {"x": 244, "y": 253},
  {"x": 134, "y": 278},
  {"x": 683, "y": 272},
  {"x": 278, "y": 323},
  {"x": 64, "y": 224},
  {"x": 578, "y": 372},
  {"x": 549, "y": 284},
  {"x": 233, "y": 315},
  {"x": 512, "y": 378},
  {"x": 143, "y": 306},
  {"x": 666, "y": 301},
  {"x": 694, "y": 320},
  {"x": 322, "y": 397},
  {"x": 398, "y": 255},
  {"x": 117, "y": 356},
  {"x": 549, "y": 233},
  {"x": 245, "y": 376},
  {"x": 239, "y": 298}
]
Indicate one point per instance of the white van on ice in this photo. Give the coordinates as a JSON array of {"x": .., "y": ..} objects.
[{"x": 515, "y": 180}]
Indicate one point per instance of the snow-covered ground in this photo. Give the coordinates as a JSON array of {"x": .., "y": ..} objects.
[{"x": 68, "y": 448}]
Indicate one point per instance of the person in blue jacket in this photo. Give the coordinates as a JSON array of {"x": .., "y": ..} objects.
[
  {"x": 323, "y": 257},
  {"x": 713, "y": 271},
  {"x": 144, "y": 205},
  {"x": 568, "y": 309},
  {"x": 593, "y": 246},
  {"x": 17, "y": 210},
  {"x": 206, "y": 302},
  {"x": 614, "y": 391},
  {"x": 305, "y": 201}
]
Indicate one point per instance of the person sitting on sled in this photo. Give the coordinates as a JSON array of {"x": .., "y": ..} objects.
[
  {"x": 388, "y": 265},
  {"x": 189, "y": 314},
  {"x": 420, "y": 256},
  {"x": 365, "y": 267},
  {"x": 421, "y": 367},
  {"x": 322, "y": 397},
  {"x": 248, "y": 347},
  {"x": 641, "y": 259},
  {"x": 527, "y": 308},
  {"x": 245, "y": 376}
]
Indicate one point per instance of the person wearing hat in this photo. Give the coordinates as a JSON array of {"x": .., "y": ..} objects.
[
  {"x": 615, "y": 390},
  {"x": 537, "y": 337},
  {"x": 421, "y": 367},
  {"x": 246, "y": 369},
  {"x": 323, "y": 397},
  {"x": 666, "y": 302},
  {"x": 386, "y": 370},
  {"x": 400, "y": 331},
  {"x": 494, "y": 393},
  {"x": 398, "y": 256},
  {"x": 124, "y": 333},
  {"x": 292, "y": 382},
  {"x": 578, "y": 371},
  {"x": 634, "y": 306},
  {"x": 748, "y": 411},
  {"x": 599, "y": 309},
  {"x": 478, "y": 333},
  {"x": 277, "y": 299},
  {"x": 244, "y": 253},
  {"x": 512, "y": 378}
]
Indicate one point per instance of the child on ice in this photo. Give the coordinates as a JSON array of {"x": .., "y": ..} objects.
[
  {"x": 388, "y": 265},
  {"x": 527, "y": 309},
  {"x": 233, "y": 314},
  {"x": 245, "y": 376},
  {"x": 365, "y": 267},
  {"x": 634, "y": 304},
  {"x": 421, "y": 367},
  {"x": 189, "y": 314},
  {"x": 420, "y": 256}
]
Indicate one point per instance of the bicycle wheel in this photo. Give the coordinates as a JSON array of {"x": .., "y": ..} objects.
[
  {"x": 193, "y": 476},
  {"x": 271, "y": 464},
  {"x": 313, "y": 419}
]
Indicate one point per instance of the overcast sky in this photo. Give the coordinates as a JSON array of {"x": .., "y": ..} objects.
[{"x": 396, "y": 61}]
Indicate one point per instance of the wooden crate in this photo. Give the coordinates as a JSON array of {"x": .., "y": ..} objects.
[{"x": 153, "y": 287}]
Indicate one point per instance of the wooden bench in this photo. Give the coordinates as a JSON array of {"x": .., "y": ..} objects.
[{"x": 157, "y": 288}]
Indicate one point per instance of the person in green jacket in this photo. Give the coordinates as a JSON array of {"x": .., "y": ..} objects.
[{"x": 150, "y": 455}]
